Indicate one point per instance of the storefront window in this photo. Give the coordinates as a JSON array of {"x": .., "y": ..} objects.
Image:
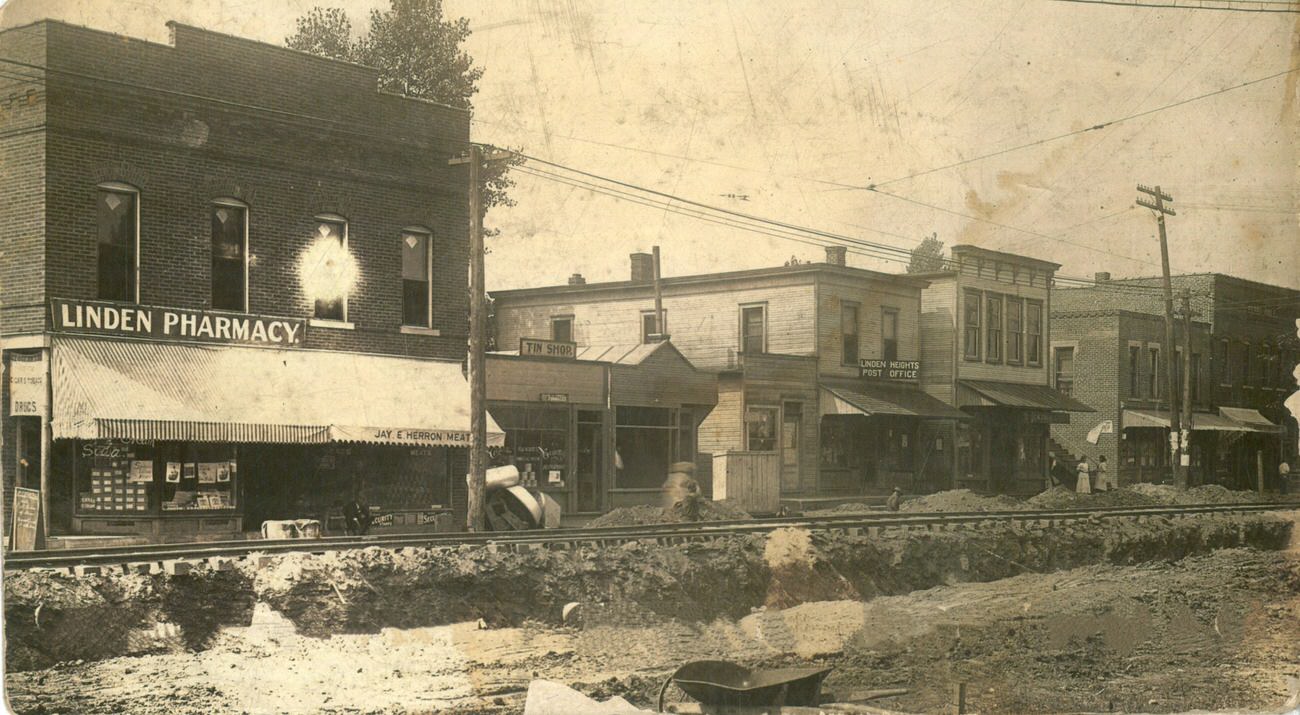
[
  {"x": 760, "y": 429},
  {"x": 537, "y": 443},
  {"x": 643, "y": 438},
  {"x": 123, "y": 477},
  {"x": 686, "y": 436}
]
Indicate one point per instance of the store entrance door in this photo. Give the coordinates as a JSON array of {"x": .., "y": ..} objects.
[{"x": 591, "y": 458}]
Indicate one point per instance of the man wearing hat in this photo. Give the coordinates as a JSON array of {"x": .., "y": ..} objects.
[
  {"x": 682, "y": 492},
  {"x": 892, "y": 501}
]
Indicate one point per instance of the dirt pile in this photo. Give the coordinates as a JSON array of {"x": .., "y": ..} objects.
[
  {"x": 1062, "y": 498},
  {"x": 647, "y": 514},
  {"x": 961, "y": 500}
]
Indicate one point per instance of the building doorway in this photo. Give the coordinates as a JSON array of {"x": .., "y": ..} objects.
[{"x": 591, "y": 459}]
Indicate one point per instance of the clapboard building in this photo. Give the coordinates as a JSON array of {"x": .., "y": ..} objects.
[{"x": 232, "y": 285}]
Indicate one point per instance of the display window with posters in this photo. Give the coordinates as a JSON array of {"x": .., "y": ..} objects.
[{"x": 135, "y": 477}]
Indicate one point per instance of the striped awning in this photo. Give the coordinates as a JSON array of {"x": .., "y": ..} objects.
[
  {"x": 1201, "y": 421},
  {"x": 866, "y": 398},
  {"x": 202, "y": 393}
]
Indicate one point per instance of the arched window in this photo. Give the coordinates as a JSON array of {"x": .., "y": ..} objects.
[
  {"x": 118, "y": 247},
  {"x": 417, "y": 277},
  {"x": 230, "y": 255}
]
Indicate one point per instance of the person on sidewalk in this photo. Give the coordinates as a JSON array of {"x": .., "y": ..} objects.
[
  {"x": 1084, "y": 483},
  {"x": 1058, "y": 474},
  {"x": 1105, "y": 480},
  {"x": 1283, "y": 476},
  {"x": 892, "y": 501}
]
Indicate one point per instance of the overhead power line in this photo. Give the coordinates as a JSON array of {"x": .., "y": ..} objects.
[{"x": 1229, "y": 5}]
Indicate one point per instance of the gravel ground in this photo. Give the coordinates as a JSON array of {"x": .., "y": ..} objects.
[{"x": 1209, "y": 632}]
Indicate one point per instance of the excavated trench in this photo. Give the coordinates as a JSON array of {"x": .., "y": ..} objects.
[{"x": 51, "y": 618}]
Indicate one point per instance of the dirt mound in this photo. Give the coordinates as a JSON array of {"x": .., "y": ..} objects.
[
  {"x": 1159, "y": 493},
  {"x": 646, "y": 514},
  {"x": 1061, "y": 498},
  {"x": 961, "y": 500},
  {"x": 1215, "y": 494}
]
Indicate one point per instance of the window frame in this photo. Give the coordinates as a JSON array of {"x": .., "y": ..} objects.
[
  {"x": 775, "y": 410},
  {"x": 856, "y": 307},
  {"x": 994, "y": 334},
  {"x": 1016, "y": 338},
  {"x": 1037, "y": 360},
  {"x": 1196, "y": 377},
  {"x": 1056, "y": 368},
  {"x": 564, "y": 318},
  {"x": 888, "y": 313},
  {"x": 231, "y": 202},
  {"x": 347, "y": 295},
  {"x": 1246, "y": 365},
  {"x": 650, "y": 313},
  {"x": 1135, "y": 370},
  {"x": 1155, "y": 373},
  {"x": 428, "y": 267},
  {"x": 120, "y": 187},
  {"x": 967, "y": 327},
  {"x": 1225, "y": 362},
  {"x": 741, "y": 315}
]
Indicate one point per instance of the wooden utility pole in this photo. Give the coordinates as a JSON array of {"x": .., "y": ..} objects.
[
  {"x": 1178, "y": 471},
  {"x": 1185, "y": 438},
  {"x": 477, "y": 341},
  {"x": 659, "y": 298}
]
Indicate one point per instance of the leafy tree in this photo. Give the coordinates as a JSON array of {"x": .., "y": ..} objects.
[
  {"x": 927, "y": 256},
  {"x": 417, "y": 53}
]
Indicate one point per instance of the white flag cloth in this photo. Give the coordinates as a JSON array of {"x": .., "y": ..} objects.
[{"x": 1103, "y": 427}]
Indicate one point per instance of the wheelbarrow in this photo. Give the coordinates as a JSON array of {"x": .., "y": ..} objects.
[
  {"x": 719, "y": 683},
  {"x": 725, "y": 687}
]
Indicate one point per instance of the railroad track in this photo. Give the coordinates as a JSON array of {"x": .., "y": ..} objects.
[{"x": 221, "y": 553}]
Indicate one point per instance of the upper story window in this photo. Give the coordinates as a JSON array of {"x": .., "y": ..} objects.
[
  {"x": 230, "y": 255},
  {"x": 417, "y": 278},
  {"x": 1134, "y": 371},
  {"x": 1015, "y": 331},
  {"x": 971, "y": 313},
  {"x": 1196, "y": 377},
  {"x": 650, "y": 327},
  {"x": 993, "y": 351},
  {"x": 1246, "y": 365},
  {"x": 1065, "y": 370},
  {"x": 1153, "y": 372},
  {"x": 1033, "y": 333},
  {"x": 118, "y": 212},
  {"x": 332, "y": 231},
  {"x": 849, "y": 333},
  {"x": 562, "y": 328},
  {"x": 753, "y": 328},
  {"x": 889, "y": 334}
]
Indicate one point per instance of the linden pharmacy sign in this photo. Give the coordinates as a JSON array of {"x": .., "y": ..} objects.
[{"x": 179, "y": 324}]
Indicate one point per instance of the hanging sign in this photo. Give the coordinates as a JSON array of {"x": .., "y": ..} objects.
[
  {"x": 29, "y": 532},
  {"x": 179, "y": 324},
  {"x": 890, "y": 369},
  {"x": 27, "y": 393},
  {"x": 533, "y": 347}
]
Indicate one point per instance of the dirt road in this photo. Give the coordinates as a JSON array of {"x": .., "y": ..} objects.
[{"x": 1212, "y": 632}]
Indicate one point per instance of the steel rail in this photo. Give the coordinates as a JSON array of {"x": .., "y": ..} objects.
[{"x": 659, "y": 533}]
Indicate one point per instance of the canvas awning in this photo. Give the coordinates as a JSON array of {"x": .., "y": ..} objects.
[
  {"x": 877, "y": 399},
  {"x": 1201, "y": 421},
  {"x": 993, "y": 393},
  {"x": 180, "y": 392},
  {"x": 1252, "y": 419}
]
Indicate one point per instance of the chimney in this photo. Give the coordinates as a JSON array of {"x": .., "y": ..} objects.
[
  {"x": 577, "y": 280},
  {"x": 835, "y": 255},
  {"x": 643, "y": 268},
  {"x": 1100, "y": 277}
]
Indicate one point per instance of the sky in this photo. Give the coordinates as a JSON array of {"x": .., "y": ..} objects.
[{"x": 788, "y": 110}]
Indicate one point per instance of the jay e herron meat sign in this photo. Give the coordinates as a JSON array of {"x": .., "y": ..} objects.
[{"x": 178, "y": 324}]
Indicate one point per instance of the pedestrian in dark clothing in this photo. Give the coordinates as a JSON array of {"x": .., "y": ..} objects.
[
  {"x": 1058, "y": 473},
  {"x": 892, "y": 501},
  {"x": 356, "y": 517}
]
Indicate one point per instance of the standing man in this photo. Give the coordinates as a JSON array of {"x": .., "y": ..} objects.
[
  {"x": 1058, "y": 474},
  {"x": 892, "y": 501},
  {"x": 1283, "y": 476},
  {"x": 682, "y": 492}
]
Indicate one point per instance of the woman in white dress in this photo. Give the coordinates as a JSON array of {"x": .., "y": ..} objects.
[{"x": 1084, "y": 485}]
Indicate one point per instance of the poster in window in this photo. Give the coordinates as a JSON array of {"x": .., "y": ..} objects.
[
  {"x": 141, "y": 471},
  {"x": 223, "y": 472},
  {"x": 202, "y": 501},
  {"x": 173, "y": 472},
  {"x": 188, "y": 470},
  {"x": 208, "y": 472}
]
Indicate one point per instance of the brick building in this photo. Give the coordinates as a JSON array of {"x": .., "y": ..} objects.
[
  {"x": 817, "y": 363},
  {"x": 1109, "y": 349},
  {"x": 225, "y": 260},
  {"x": 985, "y": 324}
]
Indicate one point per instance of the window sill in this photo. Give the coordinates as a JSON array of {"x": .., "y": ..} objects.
[
  {"x": 417, "y": 330},
  {"x": 332, "y": 324}
]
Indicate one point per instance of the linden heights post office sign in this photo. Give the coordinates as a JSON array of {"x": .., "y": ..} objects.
[{"x": 178, "y": 324}]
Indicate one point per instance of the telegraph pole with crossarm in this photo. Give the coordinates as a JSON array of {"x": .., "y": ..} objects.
[{"x": 1178, "y": 466}]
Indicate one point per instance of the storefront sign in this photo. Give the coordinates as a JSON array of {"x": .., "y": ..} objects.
[
  {"x": 27, "y": 393},
  {"x": 96, "y": 318},
  {"x": 890, "y": 369},
  {"x": 532, "y": 347},
  {"x": 29, "y": 532},
  {"x": 1045, "y": 418},
  {"x": 554, "y": 397}
]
